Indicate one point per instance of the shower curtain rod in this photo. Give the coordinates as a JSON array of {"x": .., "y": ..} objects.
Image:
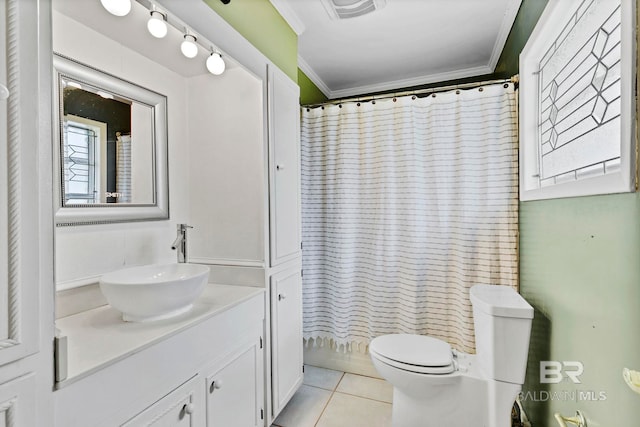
[{"x": 514, "y": 79}]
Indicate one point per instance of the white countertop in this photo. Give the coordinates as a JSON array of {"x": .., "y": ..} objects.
[{"x": 99, "y": 337}]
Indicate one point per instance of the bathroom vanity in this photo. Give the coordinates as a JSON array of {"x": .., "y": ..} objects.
[{"x": 204, "y": 368}]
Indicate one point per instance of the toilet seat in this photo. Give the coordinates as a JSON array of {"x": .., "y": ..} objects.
[{"x": 415, "y": 353}]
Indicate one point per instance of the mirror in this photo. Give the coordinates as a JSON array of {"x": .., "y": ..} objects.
[{"x": 111, "y": 148}]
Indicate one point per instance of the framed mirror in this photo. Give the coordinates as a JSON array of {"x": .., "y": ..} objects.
[{"x": 110, "y": 148}]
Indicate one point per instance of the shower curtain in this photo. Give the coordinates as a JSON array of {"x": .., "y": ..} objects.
[
  {"x": 407, "y": 203},
  {"x": 123, "y": 167}
]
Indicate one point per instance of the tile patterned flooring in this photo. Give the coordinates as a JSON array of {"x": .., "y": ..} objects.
[{"x": 330, "y": 398}]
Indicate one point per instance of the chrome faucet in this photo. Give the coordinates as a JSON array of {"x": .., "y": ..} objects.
[{"x": 180, "y": 244}]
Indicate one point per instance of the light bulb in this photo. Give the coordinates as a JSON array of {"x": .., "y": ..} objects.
[
  {"x": 189, "y": 47},
  {"x": 156, "y": 25},
  {"x": 117, "y": 7},
  {"x": 215, "y": 64}
]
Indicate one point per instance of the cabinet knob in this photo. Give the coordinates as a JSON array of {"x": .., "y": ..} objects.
[
  {"x": 279, "y": 167},
  {"x": 215, "y": 385},
  {"x": 4, "y": 92},
  {"x": 189, "y": 408},
  {"x": 282, "y": 296}
]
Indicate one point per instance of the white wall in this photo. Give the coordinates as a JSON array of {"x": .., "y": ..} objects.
[
  {"x": 85, "y": 252},
  {"x": 227, "y": 169}
]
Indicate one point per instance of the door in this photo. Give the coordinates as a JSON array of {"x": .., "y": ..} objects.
[
  {"x": 286, "y": 337},
  {"x": 284, "y": 167}
]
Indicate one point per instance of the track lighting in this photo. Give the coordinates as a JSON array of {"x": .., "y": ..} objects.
[
  {"x": 189, "y": 47},
  {"x": 157, "y": 25},
  {"x": 215, "y": 64},
  {"x": 117, "y": 7}
]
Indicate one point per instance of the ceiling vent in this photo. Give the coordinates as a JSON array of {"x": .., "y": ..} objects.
[{"x": 343, "y": 9}]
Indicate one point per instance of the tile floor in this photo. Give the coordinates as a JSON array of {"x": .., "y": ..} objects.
[{"x": 330, "y": 398}]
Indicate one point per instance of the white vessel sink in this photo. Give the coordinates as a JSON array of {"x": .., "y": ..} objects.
[{"x": 154, "y": 292}]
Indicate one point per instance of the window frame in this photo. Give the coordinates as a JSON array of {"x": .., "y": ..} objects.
[{"x": 552, "y": 21}]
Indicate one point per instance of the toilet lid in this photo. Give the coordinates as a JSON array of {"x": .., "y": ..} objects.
[
  {"x": 416, "y": 350},
  {"x": 432, "y": 370}
]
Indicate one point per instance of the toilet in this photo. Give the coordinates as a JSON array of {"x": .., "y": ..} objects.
[{"x": 437, "y": 386}]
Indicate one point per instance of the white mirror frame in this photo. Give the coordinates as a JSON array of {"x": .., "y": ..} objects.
[
  {"x": 552, "y": 21},
  {"x": 112, "y": 213}
]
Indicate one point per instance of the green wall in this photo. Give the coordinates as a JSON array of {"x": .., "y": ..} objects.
[
  {"x": 580, "y": 269},
  {"x": 260, "y": 23},
  {"x": 309, "y": 92}
]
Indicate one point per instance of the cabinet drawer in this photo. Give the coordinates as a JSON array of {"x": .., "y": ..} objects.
[{"x": 177, "y": 409}]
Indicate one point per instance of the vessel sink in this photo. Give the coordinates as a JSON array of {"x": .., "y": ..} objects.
[{"x": 154, "y": 292}]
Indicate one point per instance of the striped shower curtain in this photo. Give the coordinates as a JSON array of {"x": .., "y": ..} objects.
[
  {"x": 123, "y": 167},
  {"x": 407, "y": 203}
]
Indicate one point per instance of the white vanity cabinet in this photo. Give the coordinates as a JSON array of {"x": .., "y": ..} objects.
[{"x": 204, "y": 368}]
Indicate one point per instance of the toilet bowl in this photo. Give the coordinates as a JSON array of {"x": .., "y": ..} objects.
[{"x": 434, "y": 385}]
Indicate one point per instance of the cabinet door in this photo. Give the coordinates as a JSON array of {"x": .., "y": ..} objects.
[
  {"x": 286, "y": 333},
  {"x": 19, "y": 185},
  {"x": 177, "y": 409},
  {"x": 284, "y": 167},
  {"x": 235, "y": 390},
  {"x": 17, "y": 402}
]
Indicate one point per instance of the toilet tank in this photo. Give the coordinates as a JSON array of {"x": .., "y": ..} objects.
[{"x": 502, "y": 320}]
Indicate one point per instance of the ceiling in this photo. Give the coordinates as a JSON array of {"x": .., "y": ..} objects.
[{"x": 402, "y": 44}]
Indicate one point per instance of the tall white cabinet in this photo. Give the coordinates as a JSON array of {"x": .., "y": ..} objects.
[
  {"x": 26, "y": 292},
  {"x": 285, "y": 238}
]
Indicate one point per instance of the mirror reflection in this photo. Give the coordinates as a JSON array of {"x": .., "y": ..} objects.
[{"x": 103, "y": 160}]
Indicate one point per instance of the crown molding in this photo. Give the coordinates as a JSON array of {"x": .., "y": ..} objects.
[
  {"x": 292, "y": 18},
  {"x": 503, "y": 33},
  {"x": 407, "y": 83},
  {"x": 302, "y": 64}
]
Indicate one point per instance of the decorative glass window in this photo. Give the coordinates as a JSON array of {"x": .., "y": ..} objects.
[
  {"x": 577, "y": 101},
  {"x": 81, "y": 167}
]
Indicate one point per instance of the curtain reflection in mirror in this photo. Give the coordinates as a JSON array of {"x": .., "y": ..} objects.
[{"x": 123, "y": 163}]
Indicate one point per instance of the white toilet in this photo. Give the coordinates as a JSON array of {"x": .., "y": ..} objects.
[{"x": 435, "y": 386}]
